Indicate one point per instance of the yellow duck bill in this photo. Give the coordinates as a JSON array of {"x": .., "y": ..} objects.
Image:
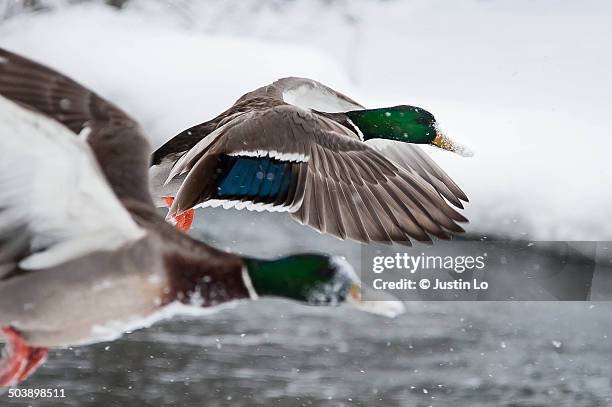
[
  {"x": 379, "y": 303},
  {"x": 444, "y": 142}
]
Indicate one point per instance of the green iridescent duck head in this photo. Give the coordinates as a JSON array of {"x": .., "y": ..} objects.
[
  {"x": 315, "y": 279},
  {"x": 409, "y": 124}
]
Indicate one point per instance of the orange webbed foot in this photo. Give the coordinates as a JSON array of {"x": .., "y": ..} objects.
[
  {"x": 184, "y": 221},
  {"x": 19, "y": 360}
]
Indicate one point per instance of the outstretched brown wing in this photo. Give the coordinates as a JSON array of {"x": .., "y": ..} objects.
[
  {"x": 339, "y": 185},
  {"x": 413, "y": 158},
  {"x": 116, "y": 139}
]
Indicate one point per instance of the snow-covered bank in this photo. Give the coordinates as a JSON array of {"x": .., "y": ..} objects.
[
  {"x": 167, "y": 78},
  {"x": 525, "y": 85}
]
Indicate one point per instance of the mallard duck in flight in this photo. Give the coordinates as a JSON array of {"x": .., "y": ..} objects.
[
  {"x": 84, "y": 256},
  {"x": 298, "y": 146}
]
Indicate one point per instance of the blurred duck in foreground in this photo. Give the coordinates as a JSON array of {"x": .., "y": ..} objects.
[
  {"x": 84, "y": 256},
  {"x": 298, "y": 146}
]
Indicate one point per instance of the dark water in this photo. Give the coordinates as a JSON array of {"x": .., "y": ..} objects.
[{"x": 277, "y": 353}]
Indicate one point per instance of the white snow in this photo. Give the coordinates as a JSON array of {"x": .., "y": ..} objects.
[
  {"x": 524, "y": 84},
  {"x": 168, "y": 78}
]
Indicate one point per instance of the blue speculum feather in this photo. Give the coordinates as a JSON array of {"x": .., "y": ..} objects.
[{"x": 261, "y": 178}]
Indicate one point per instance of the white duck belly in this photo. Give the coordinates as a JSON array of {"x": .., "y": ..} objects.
[{"x": 72, "y": 303}]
